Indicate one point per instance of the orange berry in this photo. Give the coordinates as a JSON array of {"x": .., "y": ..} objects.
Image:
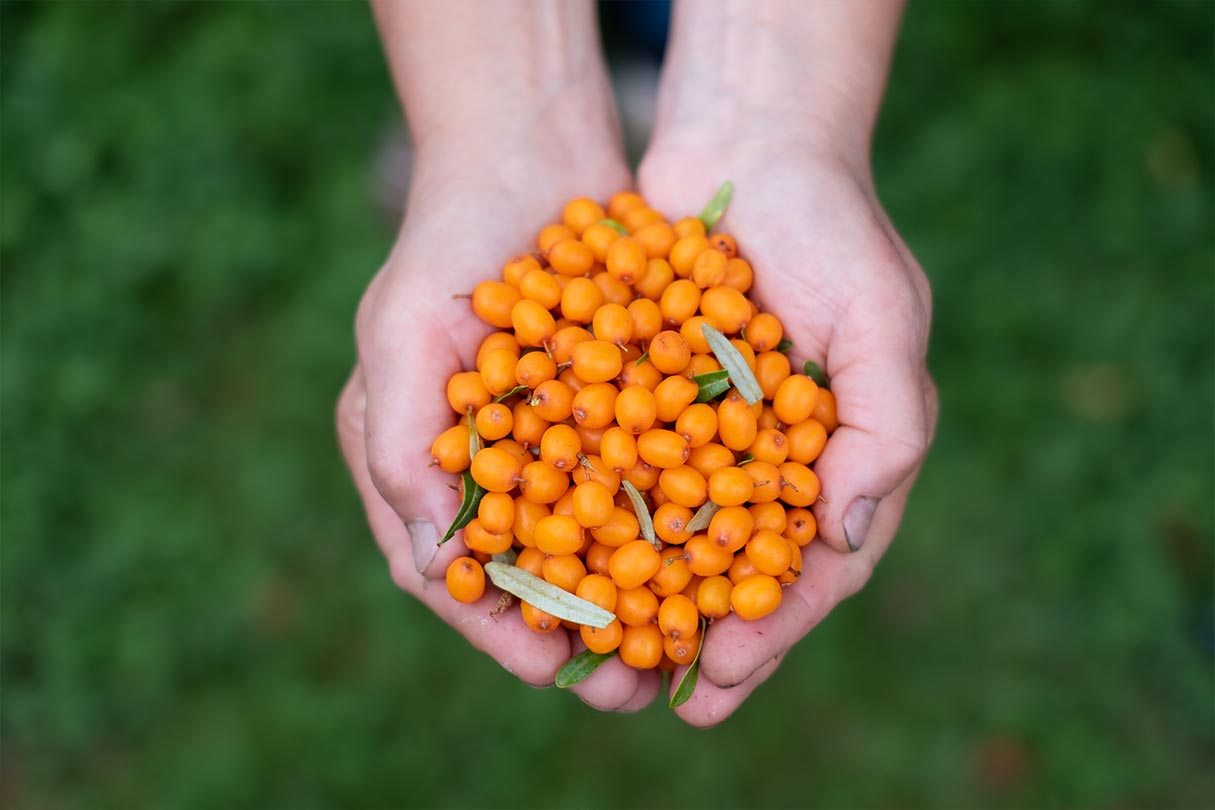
[
  {"x": 613, "y": 324},
  {"x": 708, "y": 458},
  {"x": 569, "y": 257},
  {"x": 671, "y": 523},
  {"x": 755, "y": 597},
  {"x": 684, "y": 486},
  {"x": 641, "y": 647},
  {"x": 701, "y": 364},
  {"x": 770, "y": 516},
  {"x": 540, "y": 483},
  {"x": 515, "y": 449},
  {"x": 633, "y": 563},
  {"x": 560, "y": 446},
  {"x": 626, "y": 260},
  {"x": 657, "y": 239},
  {"x": 739, "y": 275},
  {"x": 662, "y": 448},
  {"x": 769, "y": 553},
  {"x": 492, "y": 301},
  {"x": 646, "y": 319},
  {"x": 736, "y": 425},
  {"x": 770, "y": 445},
  {"x": 795, "y": 563},
  {"x": 724, "y": 243},
  {"x": 657, "y": 277},
  {"x": 595, "y": 405},
  {"x": 767, "y": 419},
  {"x": 673, "y": 575},
  {"x": 565, "y": 504},
  {"x": 592, "y": 438},
  {"x": 614, "y": 291},
  {"x": 741, "y": 568},
  {"x": 678, "y": 617},
  {"x": 730, "y": 528},
  {"x": 477, "y": 538},
  {"x": 681, "y": 650},
  {"x": 598, "y": 590},
  {"x": 799, "y": 485},
  {"x": 593, "y": 504},
  {"x": 450, "y": 450},
  {"x": 599, "y": 237},
  {"x": 621, "y": 528},
  {"x": 644, "y": 476},
  {"x": 534, "y": 368},
  {"x": 561, "y": 347},
  {"x": 541, "y": 287},
  {"x": 795, "y": 399},
  {"x": 730, "y": 486},
  {"x": 579, "y": 300},
  {"x": 764, "y": 332},
  {"x": 635, "y": 409},
  {"x": 748, "y": 355},
  {"x": 596, "y": 361},
  {"x": 552, "y": 234},
  {"x": 581, "y": 213},
  {"x": 801, "y": 526},
  {"x": 531, "y": 560},
  {"x": 527, "y": 515},
  {"x": 597, "y": 556},
  {"x": 638, "y": 218},
  {"x": 602, "y": 640},
  {"x": 765, "y": 481},
  {"x": 494, "y": 421},
  {"x": 679, "y": 301},
  {"x": 465, "y": 580},
  {"x": 538, "y": 620},
  {"x": 685, "y": 252},
  {"x": 806, "y": 440},
  {"x": 559, "y": 534},
  {"x": 640, "y": 373},
  {"x": 532, "y": 322},
  {"x": 709, "y": 269},
  {"x": 495, "y": 470},
  {"x": 528, "y": 425},
  {"x": 552, "y": 401},
  {"x": 623, "y": 202},
  {"x": 669, "y": 352},
  {"x": 694, "y": 336},
  {"x": 824, "y": 411},
  {"x": 697, "y": 424},
  {"x": 565, "y": 571},
  {"x": 496, "y": 340},
  {"x": 517, "y": 267},
  {"x": 726, "y": 308},
  {"x": 771, "y": 369},
  {"x": 689, "y": 226},
  {"x": 673, "y": 395},
  {"x": 466, "y": 390},
  {"x": 713, "y": 596},
  {"x": 619, "y": 447},
  {"x": 496, "y": 512},
  {"x": 637, "y": 606},
  {"x": 706, "y": 558}
]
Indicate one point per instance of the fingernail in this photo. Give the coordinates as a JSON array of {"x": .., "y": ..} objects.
[
  {"x": 424, "y": 538},
  {"x": 857, "y": 520}
]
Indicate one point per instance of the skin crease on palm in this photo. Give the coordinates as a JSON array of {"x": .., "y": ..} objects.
[{"x": 827, "y": 262}]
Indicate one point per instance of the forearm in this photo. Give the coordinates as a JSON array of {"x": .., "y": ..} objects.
[
  {"x": 473, "y": 76},
  {"x": 816, "y": 69}
]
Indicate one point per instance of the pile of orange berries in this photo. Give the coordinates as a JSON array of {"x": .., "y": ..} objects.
[{"x": 589, "y": 383}]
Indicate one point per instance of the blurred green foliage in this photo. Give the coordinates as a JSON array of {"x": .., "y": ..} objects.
[{"x": 194, "y": 614}]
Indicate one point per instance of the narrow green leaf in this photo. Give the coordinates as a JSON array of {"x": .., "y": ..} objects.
[
  {"x": 687, "y": 684},
  {"x": 546, "y": 596},
  {"x": 579, "y": 668},
  {"x": 703, "y": 515},
  {"x": 784, "y": 345},
  {"x": 717, "y": 206},
  {"x": 815, "y": 372},
  {"x": 644, "y": 357},
  {"x": 518, "y": 389},
  {"x": 468, "y": 507},
  {"x": 747, "y": 459},
  {"x": 643, "y": 514},
  {"x": 732, "y": 361},
  {"x": 712, "y": 384},
  {"x": 614, "y": 225}
]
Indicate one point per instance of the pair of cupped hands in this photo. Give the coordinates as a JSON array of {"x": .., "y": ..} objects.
[{"x": 827, "y": 262}]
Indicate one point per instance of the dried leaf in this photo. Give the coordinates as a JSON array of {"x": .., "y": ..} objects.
[
  {"x": 475, "y": 444},
  {"x": 468, "y": 507},
  {"x": 643, "y": 514},
  {"x": 546, "y": 596},
  {"x": 703, "y": 515},
  {"x": 518, "y": 389},
  {"x": 579, "y": 668},
  {"x": 732, "y": 361}
]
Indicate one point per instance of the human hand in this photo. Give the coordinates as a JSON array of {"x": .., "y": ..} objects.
[{"x": 851, "y": 297}]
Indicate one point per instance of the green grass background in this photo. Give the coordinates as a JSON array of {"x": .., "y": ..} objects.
[{"x": 194, "y": 614}]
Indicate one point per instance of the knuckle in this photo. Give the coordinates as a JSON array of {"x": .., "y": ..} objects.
[{"x": 391, "y": 478}]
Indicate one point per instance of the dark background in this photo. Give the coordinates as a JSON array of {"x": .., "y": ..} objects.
[{"x": 194, "y": 614}]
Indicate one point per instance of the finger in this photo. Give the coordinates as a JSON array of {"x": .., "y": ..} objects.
[
  {"x": 649, "y": 684},
  {"x": 532, "y": 657},
  {"x": 711, "y": 704},
  {"x": 610, "y": 686}
]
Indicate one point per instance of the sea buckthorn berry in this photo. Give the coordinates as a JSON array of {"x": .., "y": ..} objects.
[
  {"x": 684, "y": 486},
  {"x": 639, "y": 218},
  {"x": 678, "y": 617},
  {"x": 533, "y": 324},
  {"x": 657, "y": 496},
  {"x": 565, "y": 571},
  {"x": 565, "y": 504},
  {"x": 561, "y": 347},
  {"x": 709, "y": 269},
  {"x": 694, "y": 336},
  {"x": 708, "y": 458},
  {"x": 673, "y": 395},
  {"x": 770, "y": 445},
  {"x": 770, "y": 516},
  {"x": 569, "y": 257},
  {"x": 477, "y": 538},
  {"x": 581, "y": 213},
  {"x": 739, "y": 275},
  {"x": 466, "y": 391},
  {"x": 552, "y": 234},
  {"x": 541, "y": 287},
  {"x": 596, "y": 361},
  {"x": 613, "y": 324},
  {"x": 641, "y": 647},
  {"x": 730, "y": 486},
  {"x": 528, "y": 425},
  {"x": 527, "y": 515},
  {"x": 640, "y": 373},
  {"x": 636, "y": 409},
  {"x": 534, "y": 368},
  {"x": 623, "y": 202},
  {"x": 560, "y": 446},
  {"x": 679, "y": 301},
  {"x": 748, "y": 355},
  {"x": 559, "y": 534},
  {"x": 495, "y": 470},
  {"x": 730, "y": 529},
  {"x": 592, "y": 438},
  {"x": 593, "y": 504},
  {"x": 552, "y": 401},
  {"x": 801, "y": 526},
  {"x": 540, "y": 483},
  {"x": 538, "y": 620},
  {"x": 599, "y": 237},
  {"x": 681, "y": 650},
  {"x": 767, "y": 419},
  {"x": 531, "y": 560},
  {"x": 690, "y": 589},
  {"x": 517, "y": 267},
  {"x": 673, "y": 575},
  {"x": 619, "y": 448},
  {"x": 450, "y": 450},
  {"x": 465, "y": 580},
  {"x": 689, "y": 226},
  {"x": 725, "y": 244},
  {"x": 602, "y": 640},
  {"x": 736, "y": 425},
  {"x": 598, "y": 590},
  {"x": 657, "y": 277},
  {"x": 622, "y": 527},
  {"x": 701, "y": 364},
  {"x": 697, "y": 424},
  {"x": 671, "y": 523},
  {"x": 662, "y": 448},
  {"x": 496, "y": 340},
  {"x": 644, "y": 476},
  {"x": 806, "y": 440},
  {"x": 741, "y": 568},
  {"x": 626, "y": 260},
  {"x": 595, "y": 405},
  {"x": 685, "y": 252},
  {"x": 579, "y": 300},
  {"x": 669, "y": 352},
  {"x": 492, "y": 301},
  {"x": 645, "y": 319},
  {"x": 726, "y": 307},
  {"x": 765, "y": 481},
  {"x": 597, "y": 556},
  {"x": 764, "y": 332},
  {"x": 706, "y": 558},
  {"x": 824, "y": 411},
  {"x": 657, "y": 239},
  {"x": 713, "y": 597},
  {"x": 515, "y": 449},
  {"x": 795, "y": 564},
  {"x": 633, "y": 564},
  {"x": 769, "y": 553},
  {"x": 614, "y": 291},
  {"x": 799, "y": 485},
  {"x": 496, "y": 512},
  {"x": 795, "y": 399},
  {"x": 755, "y": 597},
  {"x": 494, "y": 421},
  {"x": 593, "y": 468},
  {"x": 771, "y": 369}
]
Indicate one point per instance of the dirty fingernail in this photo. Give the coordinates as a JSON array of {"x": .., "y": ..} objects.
[
  {"x": 424, "y": 538},
  {"x": 857, "y": 520}
]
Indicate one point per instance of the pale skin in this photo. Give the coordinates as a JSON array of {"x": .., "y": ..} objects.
[{"x": 511, "y": 115}]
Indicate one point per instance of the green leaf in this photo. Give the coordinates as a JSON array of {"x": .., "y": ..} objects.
[
  {"x": 703, "y": 515},
  {"x": 712, "y": 385},
  {"x": 614, "y": 225},
  {"x": 546, "y": 596},
  {"x": 518, "y": 389},
  {"x": 747, "y": 459},
  {"x": 716, "y": 207},
  {"x": 643, "y": 514},
  {"x": 732, "y": 361},
  {"x": 644, "y": 357},
  {"x": 815, "y": 372},
  {"x": 687, "y": 684},
  {"x": 579, "y": 668},
  {"x": 468, "y": 507},
  {"x": 784, "y": 345}
]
